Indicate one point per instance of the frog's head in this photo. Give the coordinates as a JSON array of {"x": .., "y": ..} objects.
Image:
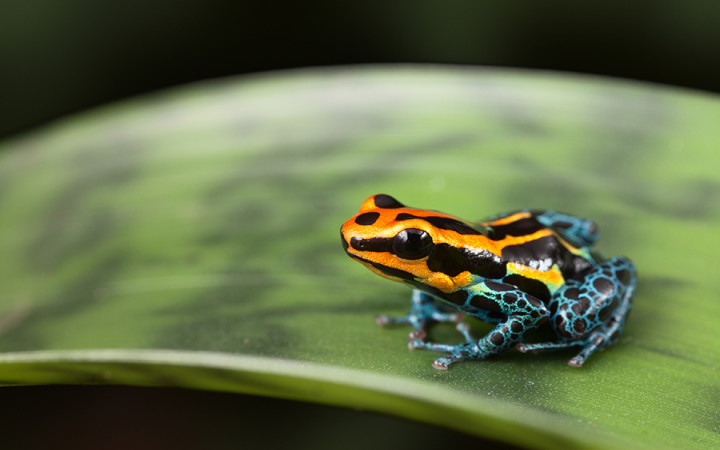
[{"x": 404, "y": 244}]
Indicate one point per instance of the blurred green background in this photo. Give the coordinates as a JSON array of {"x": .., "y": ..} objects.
[{"x": 58, "y": 57}]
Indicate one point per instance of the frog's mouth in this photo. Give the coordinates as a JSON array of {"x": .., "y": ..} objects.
[{"x": 380, "y": 269}]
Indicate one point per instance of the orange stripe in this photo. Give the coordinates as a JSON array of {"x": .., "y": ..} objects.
[
  {"x": 509, "y": 219},
  {"x": 480, "y": 241}
]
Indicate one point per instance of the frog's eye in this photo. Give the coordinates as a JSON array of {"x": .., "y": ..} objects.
[{"x": 412, "y": 243}]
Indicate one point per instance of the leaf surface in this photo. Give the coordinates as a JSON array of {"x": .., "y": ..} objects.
[{"x": 190, "y": 238}]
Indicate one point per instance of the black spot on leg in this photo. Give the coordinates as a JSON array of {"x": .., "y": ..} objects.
[
  {"x": 606, "y": 311},
  {"x": 579, "y": 326},
  {"x": 515, "y": 327},
  {"x": 624, "y": 276},
  {"x": 604, "y": 286},
  {"x": 581, "y": 306},
  {"x": 497, "y": 339},
  {"x": 572, "y": 293}
]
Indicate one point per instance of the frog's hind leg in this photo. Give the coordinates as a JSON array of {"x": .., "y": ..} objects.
[
  {"x": 591, "y": 313},
  {"x": 424, "y": 310}
]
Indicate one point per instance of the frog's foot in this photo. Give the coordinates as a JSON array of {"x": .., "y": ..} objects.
[
  {"x": 457, "y": 352},
  {"x": 591, "y": 313},
  {"x": 590, "y": 346},
  {"x": 423, "y": 311},
  {"x": 595, "y": 341}
]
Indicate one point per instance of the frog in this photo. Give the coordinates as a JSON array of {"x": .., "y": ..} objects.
[{"x": 520, "y": 271}]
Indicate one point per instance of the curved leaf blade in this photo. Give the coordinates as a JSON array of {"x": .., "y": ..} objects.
[{"x": 201, "y": 224}]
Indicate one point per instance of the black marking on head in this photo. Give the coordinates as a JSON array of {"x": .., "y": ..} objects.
[
  {"x": 371, "y": 245},
  {"x": 444, "y": 223},
  {"x": 386, "y": 202},
  {"x": 367, "y": 218},
  {"x": 453, "y": 260}
]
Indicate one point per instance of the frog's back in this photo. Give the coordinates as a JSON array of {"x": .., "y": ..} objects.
[{"x": 538, "y": 240}]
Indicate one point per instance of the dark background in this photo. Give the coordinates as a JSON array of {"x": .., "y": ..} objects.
[{"x": 61, "y": 56}]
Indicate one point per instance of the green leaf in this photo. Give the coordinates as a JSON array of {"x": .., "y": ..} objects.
[{"x": 190, "y": 238}]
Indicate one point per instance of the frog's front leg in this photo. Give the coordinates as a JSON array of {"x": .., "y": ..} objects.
[
  {"x": 591, "y": 312},
  {"x": 423, "y": 311},
  {"x": 487, "y": 299}
]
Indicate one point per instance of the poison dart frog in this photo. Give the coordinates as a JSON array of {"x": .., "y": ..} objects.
[{"x": 518, "y": 270}]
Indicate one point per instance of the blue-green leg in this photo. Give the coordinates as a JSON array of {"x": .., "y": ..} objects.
[
  {"x": 520, "y": 311},
  {"x": 591, "y": 313},
  {"x": 424, "y": 310}
]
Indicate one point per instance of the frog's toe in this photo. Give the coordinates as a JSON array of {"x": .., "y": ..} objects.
[
  {"x": 544, "y": 346},
  {"x": 417, "y": 335},
  {"x": 576, "y": 361},
  {"x": 441, "y": 364},
  {"x": 444, "y": 362},
  {"x": 387, "y": 320},
  {"x": 526, "y": 348}
]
